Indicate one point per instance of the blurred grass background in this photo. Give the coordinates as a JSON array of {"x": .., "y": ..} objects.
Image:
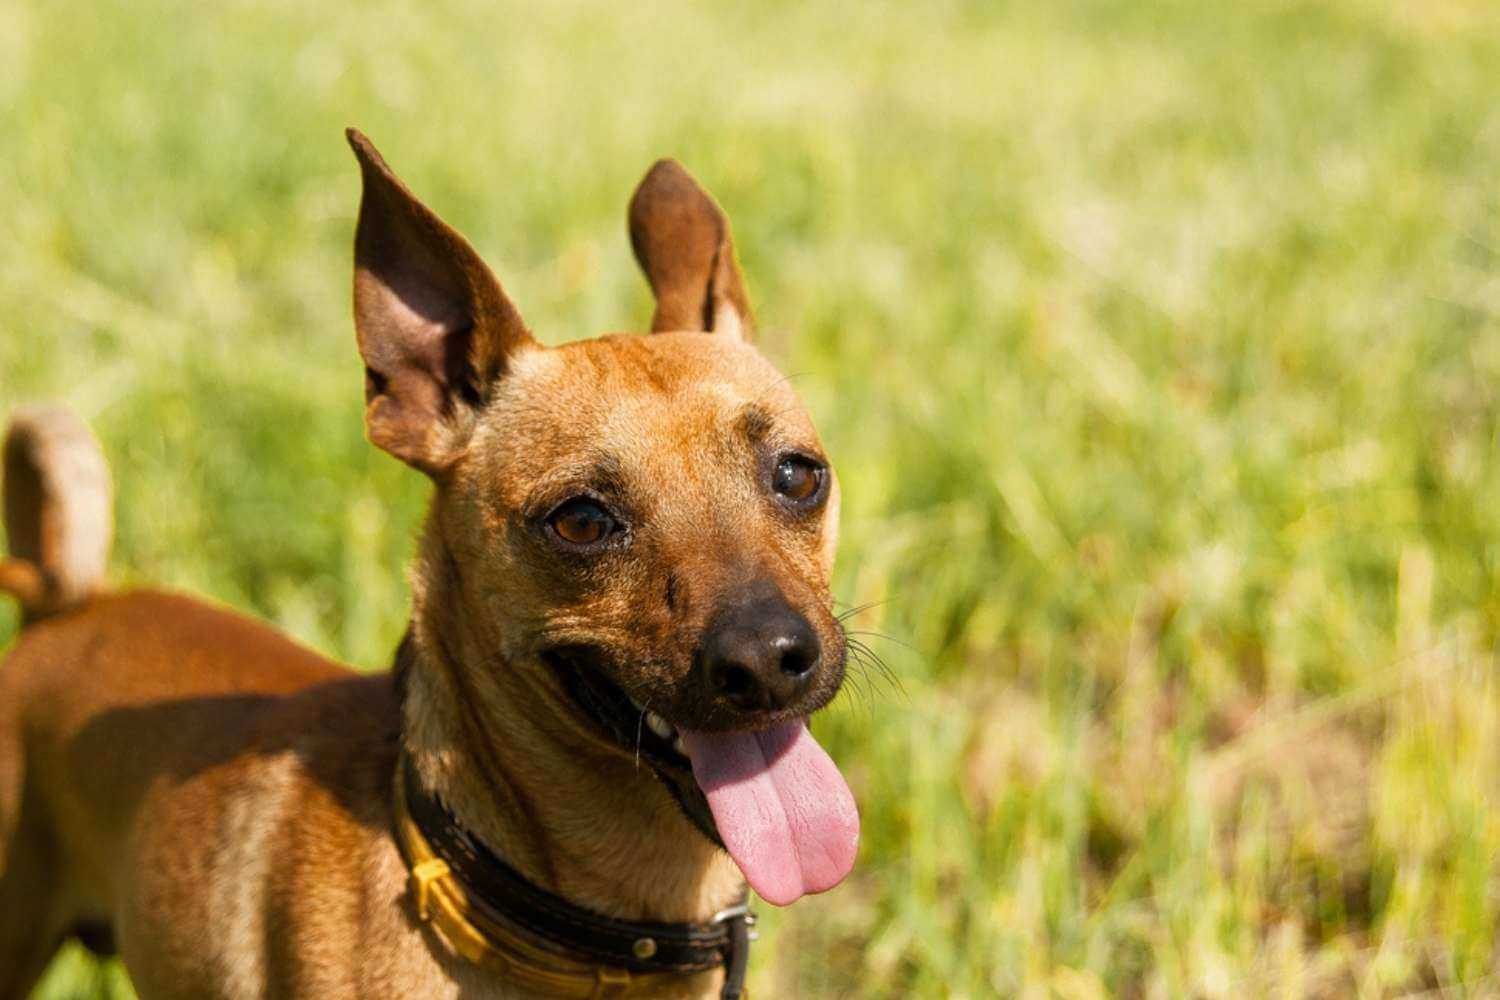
[{"x": 1156, "y": 343}]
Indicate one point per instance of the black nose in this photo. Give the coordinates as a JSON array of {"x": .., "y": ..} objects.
[{"x": 759, "y": 654}]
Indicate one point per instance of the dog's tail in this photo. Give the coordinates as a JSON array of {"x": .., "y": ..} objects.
[{"x": 58, "y": 514}]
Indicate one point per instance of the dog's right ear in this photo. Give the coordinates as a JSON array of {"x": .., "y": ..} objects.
[{"x": 434, "y": 327}]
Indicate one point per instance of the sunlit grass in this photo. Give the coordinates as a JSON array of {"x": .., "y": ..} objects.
[{"x": 1156, "y": 344}]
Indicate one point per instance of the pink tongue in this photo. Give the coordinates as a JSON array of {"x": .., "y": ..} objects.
[{"x": 782, "y": 807}]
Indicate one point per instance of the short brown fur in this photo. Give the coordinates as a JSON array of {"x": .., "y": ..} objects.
[{"x": 218, "y": 798}]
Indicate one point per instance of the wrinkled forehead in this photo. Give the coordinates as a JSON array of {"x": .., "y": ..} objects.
[{"x": 674, "y": 393}]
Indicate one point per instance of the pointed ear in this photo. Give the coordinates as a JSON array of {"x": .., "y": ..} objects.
[
  {"x": 434, "y": 328},
  {"x": 681, "y": 239}
]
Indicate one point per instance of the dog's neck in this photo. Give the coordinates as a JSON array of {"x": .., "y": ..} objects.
[{"x": 519, "y": 767}]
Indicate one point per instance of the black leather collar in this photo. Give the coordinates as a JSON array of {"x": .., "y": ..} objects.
[{"x": 505, "y": 896}]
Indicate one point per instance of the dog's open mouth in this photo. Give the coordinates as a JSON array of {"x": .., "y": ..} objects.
[
  {"x": 772, "y": 797},
  {"x": 626, "y": 724}
]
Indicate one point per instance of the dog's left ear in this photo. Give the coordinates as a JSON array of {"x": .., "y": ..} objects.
[
  {"x": 434, "y": 327},
  {"x": 681, "y": 239}
]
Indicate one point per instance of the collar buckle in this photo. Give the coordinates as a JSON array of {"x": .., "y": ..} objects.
[
  {"x": 422, "y": 876},
  {"x": 740, "y": 922},
  {"x": 741, "y": 913},
  {"x": 731, "y": 912}
]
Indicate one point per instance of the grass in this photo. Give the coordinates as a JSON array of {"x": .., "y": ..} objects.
[{"x": 1156, "y": 343}]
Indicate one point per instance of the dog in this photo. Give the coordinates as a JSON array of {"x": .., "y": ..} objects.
[{"x": 595, "y": 729}]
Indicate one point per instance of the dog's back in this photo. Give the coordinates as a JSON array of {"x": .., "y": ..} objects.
[{"x": 219, "y": 726}]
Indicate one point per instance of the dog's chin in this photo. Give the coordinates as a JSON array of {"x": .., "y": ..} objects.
[{"x": 610, "y": 709}]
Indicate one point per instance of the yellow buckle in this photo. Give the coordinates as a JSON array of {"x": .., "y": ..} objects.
[
  {"x": 422, "y": 877},
  {"x": 611, "y": 982}
]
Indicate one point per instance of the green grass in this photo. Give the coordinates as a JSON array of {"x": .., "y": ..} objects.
[{"x": 1156, "y": 343}]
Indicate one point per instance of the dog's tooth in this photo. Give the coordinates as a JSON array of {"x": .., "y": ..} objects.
[
  {"x": 678, "y": 746},
  {"x": 661, "y": 727}
]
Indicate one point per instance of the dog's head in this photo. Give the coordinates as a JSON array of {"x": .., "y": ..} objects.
[{"x": 650, "y": 518}]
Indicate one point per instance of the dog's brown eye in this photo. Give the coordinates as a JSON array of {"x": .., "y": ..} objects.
[
  {"x": 581, "y": 522},
  {"x": 798, "y": 479}
]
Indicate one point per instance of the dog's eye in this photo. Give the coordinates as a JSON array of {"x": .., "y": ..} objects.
[
  {"x": 798, "y": 479},
  {"x": 581, "y": 521}
]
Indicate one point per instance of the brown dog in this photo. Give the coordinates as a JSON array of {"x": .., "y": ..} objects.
[{"x": 620, "y": 623}]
